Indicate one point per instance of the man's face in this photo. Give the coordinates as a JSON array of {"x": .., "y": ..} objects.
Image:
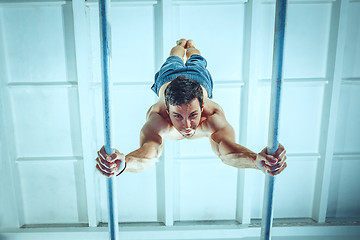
[{"x": 186, "y": 117}]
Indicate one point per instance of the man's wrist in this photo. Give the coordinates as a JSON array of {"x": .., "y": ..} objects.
[
  {"x": 257, "y": 161},
  {"x": 122, "y": 170}
]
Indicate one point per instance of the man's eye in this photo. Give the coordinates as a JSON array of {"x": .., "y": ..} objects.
[
  {"x": 193, "y": 115},
  {"x": 177, "y": 116}
]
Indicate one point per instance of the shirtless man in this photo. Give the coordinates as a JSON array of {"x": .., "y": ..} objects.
[{"x": 185, "y": 110}]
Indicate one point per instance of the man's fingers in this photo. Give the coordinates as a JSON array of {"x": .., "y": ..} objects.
[
  {"x": 103, "y": 172},
  {"x": 103, "y": 162},
  {"x": 102, "y": 152},
  {"x": 110, "y": 171},
  {"x": 103, "y": 168},
  {"x": 279, "y": 151},
  {"x": 108, "y": 166},
  {"x": 279, "y": 164},
  {"x": 115, "y": 156},
  {"x": 282, "y": 160},
  {"x": 270, "y": 160},
  {"x": 278, "y": 171},
  {"x": 281, "y": 169},
  {"x": 110, "y": 158},
  {"x": 273, "y": 164},
  {"x": 281, "y": 155},
  {"x": 264, "y": 151},
  {"x": 101, "y": 155}
]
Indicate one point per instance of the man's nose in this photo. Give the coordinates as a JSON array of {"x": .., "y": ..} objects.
[{"x": 187, "y": 123}]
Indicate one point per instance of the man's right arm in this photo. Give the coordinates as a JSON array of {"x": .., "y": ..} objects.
[
  {"x": 150, "y": 145},
  {"x": 140, "y": 159}
]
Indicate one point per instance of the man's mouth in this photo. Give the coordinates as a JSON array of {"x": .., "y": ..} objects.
[{"x": 188, "y": 131}]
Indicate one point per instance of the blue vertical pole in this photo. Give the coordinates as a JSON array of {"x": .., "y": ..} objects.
[
  {"x": 273, "y": 143},
  {"x": 105, "y": 39}
]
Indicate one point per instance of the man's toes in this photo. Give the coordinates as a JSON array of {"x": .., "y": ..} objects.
[
  {"x": 190, "y": 44},
  {"x": 181, "y": 42}
]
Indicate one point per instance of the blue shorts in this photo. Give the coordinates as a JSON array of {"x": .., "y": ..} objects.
[{"x": 194, "y": 68}]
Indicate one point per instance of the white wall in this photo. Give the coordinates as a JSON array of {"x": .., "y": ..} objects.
[{"x": 51, "y": 110}]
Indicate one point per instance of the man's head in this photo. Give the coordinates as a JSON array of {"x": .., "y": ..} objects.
[{"x": 184, "y": 103}]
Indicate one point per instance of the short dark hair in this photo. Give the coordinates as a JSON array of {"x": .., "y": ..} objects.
[{"x": 183, "y": 90}]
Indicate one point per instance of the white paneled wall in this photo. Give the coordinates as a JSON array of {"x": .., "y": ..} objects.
[
  {"x": 347, "y": 133},
  {"x": 52, "y": 123}
]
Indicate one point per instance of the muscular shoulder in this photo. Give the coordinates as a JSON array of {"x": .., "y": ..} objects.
[
  {"x": 214, "y": 114},
  {"x": 216, "y": 123},
  {"x": 156, "y": 119}
]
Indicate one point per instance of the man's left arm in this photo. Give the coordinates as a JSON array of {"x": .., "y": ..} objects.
[{"x": 224, "y": 145}]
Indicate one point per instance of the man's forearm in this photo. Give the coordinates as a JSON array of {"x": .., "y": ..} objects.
[
  {"x": 143, "y": 158},
  {"x": 236, "y": 155}
]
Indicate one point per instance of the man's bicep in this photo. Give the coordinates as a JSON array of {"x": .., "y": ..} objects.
[
  {"x": 221, "y": 128},
  {"x": 151, "y": 131},
  {"x": 224, "y": 133},
  {"x": 149, "y": 134}
]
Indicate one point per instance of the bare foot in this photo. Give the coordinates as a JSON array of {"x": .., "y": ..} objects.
[
  {"x": 190, "y": 44},
  {"x": 191, "y": 49},
  {"x": 179, "y": 49},
  {"x": 181, "y": 42}
]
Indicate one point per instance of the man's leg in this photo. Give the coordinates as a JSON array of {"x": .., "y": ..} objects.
[
  {"x": 179, "y": 49},
  {"x": 191, "y": 49}
]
